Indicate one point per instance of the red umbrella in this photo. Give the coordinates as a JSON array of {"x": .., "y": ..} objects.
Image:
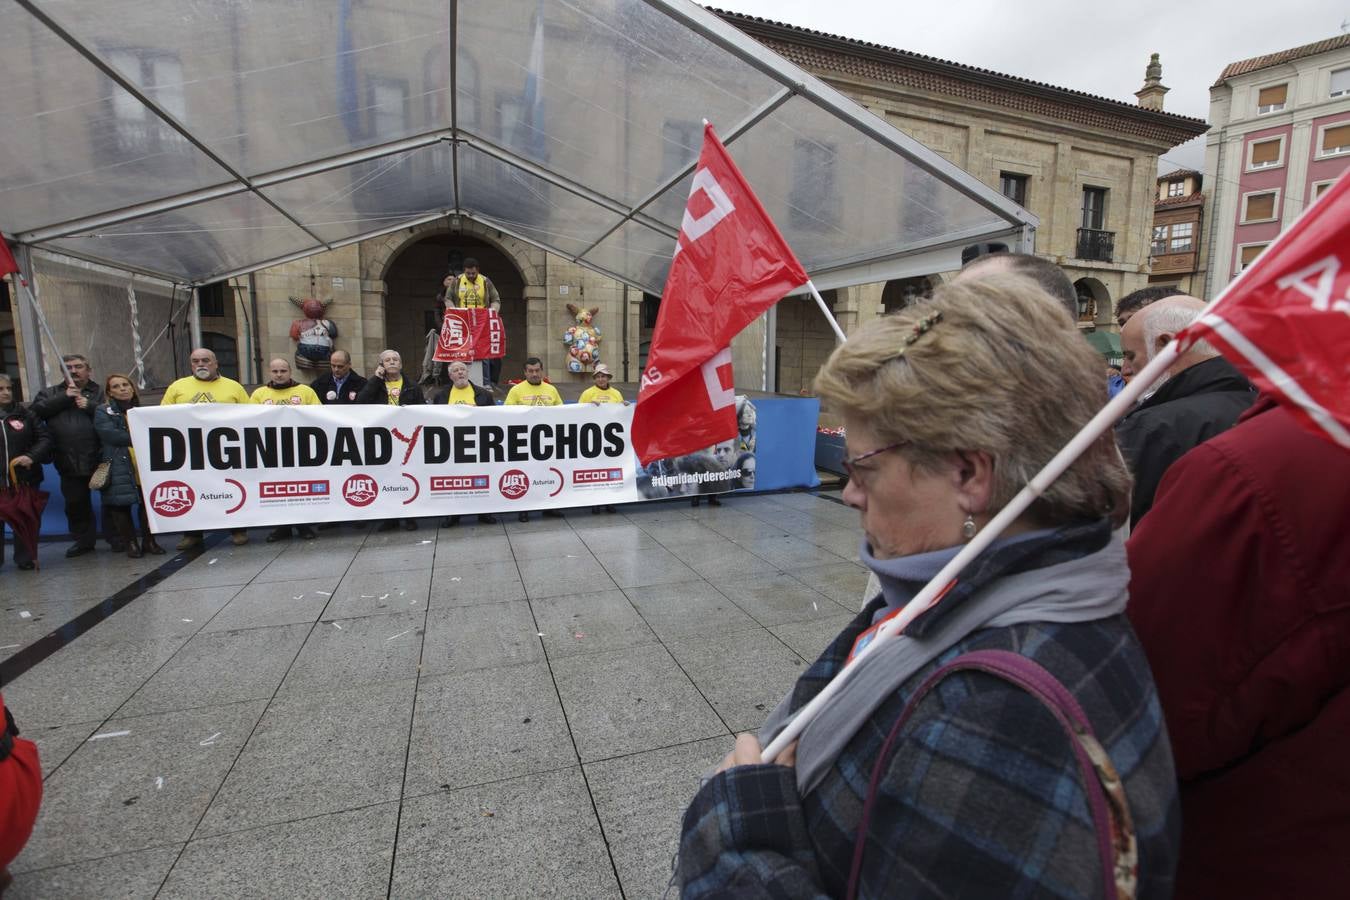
[{"x": 21, "y": 506}]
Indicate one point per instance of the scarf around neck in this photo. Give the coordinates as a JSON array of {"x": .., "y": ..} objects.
[{"x": 1077, "y": 573}]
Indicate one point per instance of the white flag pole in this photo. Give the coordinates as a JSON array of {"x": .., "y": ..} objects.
[
  {"x": 829, "y": 316},
  {"x": 37, "y": 311}
]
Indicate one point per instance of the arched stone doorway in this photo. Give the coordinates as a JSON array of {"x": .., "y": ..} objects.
[
  {"x": 413, "y": 278},
  {"x": 1094, "y": 301},
  {"x": 902, "y": 292}
]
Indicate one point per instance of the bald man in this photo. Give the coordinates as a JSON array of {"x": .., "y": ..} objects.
[
  {"x": 1200, "y": 395},
  {"x": 282, "y": 389},
  {"x": 205, "y": 385}
]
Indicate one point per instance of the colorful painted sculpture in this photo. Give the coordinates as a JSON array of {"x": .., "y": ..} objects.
[
  {"x": 582, "y": 339},
  {"x": 313, "y": 334}
]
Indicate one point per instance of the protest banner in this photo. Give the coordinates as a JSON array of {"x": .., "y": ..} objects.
[
  {"x": 470, "y": 334},
  {"x": 206, "y": 466}
]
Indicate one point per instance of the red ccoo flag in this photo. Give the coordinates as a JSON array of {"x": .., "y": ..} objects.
[
  {"x": 730, "y": 265},
  {"x": 1285, "y": 321},
  {"x": 7, "y": 264}
]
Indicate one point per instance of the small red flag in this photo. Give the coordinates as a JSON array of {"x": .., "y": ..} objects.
[
  {"x": 730, "y": 265},
  {"x": 7, "y": 264},
  {"x": 1285, "y": 321}
]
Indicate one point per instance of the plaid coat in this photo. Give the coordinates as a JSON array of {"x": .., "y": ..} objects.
[{"x": 981, "y": 797}]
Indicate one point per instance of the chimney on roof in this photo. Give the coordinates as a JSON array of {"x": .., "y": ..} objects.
[{"x": 1151, "y": 94}]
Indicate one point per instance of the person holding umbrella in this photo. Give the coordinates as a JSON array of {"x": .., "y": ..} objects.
[{"x": 24, "y": 446}]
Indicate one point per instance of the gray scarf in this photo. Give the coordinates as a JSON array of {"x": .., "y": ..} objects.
[{"x": 1086, "y": 589}]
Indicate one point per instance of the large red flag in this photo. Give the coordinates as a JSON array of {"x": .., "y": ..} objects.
[
  {"x": 730, "y": 265},
  {"x": 1285, "y": 321}
]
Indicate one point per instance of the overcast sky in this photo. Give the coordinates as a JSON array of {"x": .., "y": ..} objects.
[{"x": 1100, "y": 48}]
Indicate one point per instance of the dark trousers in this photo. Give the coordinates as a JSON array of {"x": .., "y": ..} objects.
[
  {"x": 79, "y": 509},
  {"x": 21, "y": 554},
  {"x": 495, "y": 370}
]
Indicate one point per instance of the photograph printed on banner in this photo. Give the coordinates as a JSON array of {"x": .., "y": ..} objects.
[{"x": 719, "y": 469}]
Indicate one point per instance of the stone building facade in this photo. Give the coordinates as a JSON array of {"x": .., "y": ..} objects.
[{"x": 1178, "y": 223}]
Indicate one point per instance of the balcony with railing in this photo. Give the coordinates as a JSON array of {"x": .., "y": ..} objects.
[{"x": 1096, "y": 246}]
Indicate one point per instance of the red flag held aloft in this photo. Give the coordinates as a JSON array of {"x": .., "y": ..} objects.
[
  {"x": 730, "y": 265},
  {"x": 1285, "y": 322},
  {"x": 7, "y": 264}
]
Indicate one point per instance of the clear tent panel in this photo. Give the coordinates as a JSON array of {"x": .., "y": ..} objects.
[
  {"x": 270, "y": 85},
  {"x": 372, "y": 195},
  {"x": 196, "y": 242},
  {"x": 529, "y": 206},
  {"x": 608, "y": 93},
  {"x": 73, "y": 142},
  {"x": 641, "y": 254},
  {"x": 838, "y": 196}
]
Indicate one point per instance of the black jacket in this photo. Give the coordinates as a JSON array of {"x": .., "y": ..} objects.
[
  {"x": 325, "y": 383},
  {"x": 23, "y": 433},
  {"x": 481, "y": 396},
  {"x": 76, "y": 448},
  {"x": 374, "y": 393},
  {"x": 1187, "y": 410},
  {"x": 115, "y": 434}
]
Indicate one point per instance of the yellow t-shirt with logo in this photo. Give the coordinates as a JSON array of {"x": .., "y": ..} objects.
[
  {"x": 593, "y": 394},
  {"x": 394, "y": 389},
  {"x": 461, "y": 396},
  {"x": 472, "y": 292},
  {"x": 295, "y": 395},
  {"x": 191, "y": 389},
  {"x": 526, "y": 394}
]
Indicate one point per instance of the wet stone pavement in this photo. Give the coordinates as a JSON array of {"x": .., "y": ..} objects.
[{"x": 511, "y": 710}]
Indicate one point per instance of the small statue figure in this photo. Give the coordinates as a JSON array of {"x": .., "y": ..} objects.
[
  {"x": 582, "y": 340},
  {"x": 313, "y": 334}
]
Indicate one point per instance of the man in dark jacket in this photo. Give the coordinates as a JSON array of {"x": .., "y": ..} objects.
[
  {"x": 68, "y": 409},
  {"x": 388, "y": 386},
  {"x": 1238, "y": 593},
  {"x": 339, "y": 386},
  {"x": 23, "y": 441},
  {"x": 1201, "y": 395}
]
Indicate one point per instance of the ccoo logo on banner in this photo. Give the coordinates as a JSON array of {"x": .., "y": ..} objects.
[{"x": 208, "y": 466}]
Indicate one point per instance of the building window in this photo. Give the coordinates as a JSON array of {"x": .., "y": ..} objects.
[
  {"x": 1271, "y": 99},
  {"x": 1321, "y": 187},
  {"x": 1159, "y": 240},
  {"x": 1094, "y": 208},
  {"x": 1266, "y": 154},
  {"x": 160, "y": 76},
  {"x": 1176, "y": 189},
  {"x": 1259, "y": 207},
  {"x": 651, "y": 308},
  {"x": 388, "y": 107},
  {"x": 1340, "y": 82},
  {"x": 223, "y": 347},
  {"x": 1182, "y": 233},
  {"x": 1014, "y": 187},
  {"x": 1335, "y": 140},
  {"x": 211, "y": 297},
  {"x": 1247, "y": 254},
  {"x": 680, "y": 143}
]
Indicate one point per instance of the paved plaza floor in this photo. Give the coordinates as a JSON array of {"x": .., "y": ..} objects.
[{"x": 513, "y": 710}]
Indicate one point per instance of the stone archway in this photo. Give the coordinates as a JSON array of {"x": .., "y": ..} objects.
[
  {"x": 902, "y": 292},
  {"x": 406, "y": 269},
  {"x": 1094, "y": 301}
]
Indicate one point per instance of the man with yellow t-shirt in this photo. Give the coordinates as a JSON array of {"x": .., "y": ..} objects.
[
  {"x": 463, "y": 392},
  {"x": 601, "y": 393},
  {"x": 389, "y": 386},
  {"x": 283, "y": 390},
  {"x": 205, "y": 385},
  {"x": 471, "y": 289},
  {"x": 534, "y": 391}
]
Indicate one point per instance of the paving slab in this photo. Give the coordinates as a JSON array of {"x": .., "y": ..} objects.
[
  {"x": 743, "y": 674},
  {"x": 627, "y": 701},
  {"x": 56, "y": 743},
  {"x": 615, "y": 539},
  {"x": 319, "y": 563},
  {"x": 383, "y": 593},
  {"x": 535, "y": 836},
  {"x": 341, "y": 652},
  {"x": 723, "y": 561},
  {"x": 345, "y": 854},
  {"x": 486, "y": 725},
  {"x": 543, "y": 545},
  {"x": 557, "y": 577},
  {"x": 687, "y": 608},
  {"x": 789, "y": 553},
  {"x": 263, "y": 605},
  {"x": 778, "y": 599},
  {"x": 461, "y": 639},
  {"x": 126, "y": 876},
  {"x": 220, "y": 667},
  {"x": 641, "y": 800},
  {"x": 843, "y": 583},
  {"x": 671, "y": 533},
  {"x": 144, "y": 784},
  {"x": 809, "y": 639},
  {"x": 457, "y": 548},
  {"x": 412, "y": 554},
  {"x": 655, "y": 565},
  {"x": 476, "y": 581},
  {"x": 316, "y": 753},
  {"x": 589, "y": 623}
]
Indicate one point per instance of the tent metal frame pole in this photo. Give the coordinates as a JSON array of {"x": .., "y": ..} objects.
[
  {"x": 454, "y": 102},
  {"x": 769, "y": 63},
  {"x": 749, "y": 122},
  {"x": 488, "y": 223},
  {"x": 231, "y": 189},
  {"x": 195, "y": 322},
  {"x": 141, "y": 97}
]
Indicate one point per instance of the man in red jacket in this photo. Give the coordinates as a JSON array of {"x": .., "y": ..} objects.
[
  {"x": 20, "y": 791},
  {"x": 1240, "y": 592}
]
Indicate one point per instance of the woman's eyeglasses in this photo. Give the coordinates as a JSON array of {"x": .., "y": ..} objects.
[{"x": 850, "y": 463}]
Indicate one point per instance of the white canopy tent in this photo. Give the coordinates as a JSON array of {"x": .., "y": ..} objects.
[{"x": 194, "y": 141}]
